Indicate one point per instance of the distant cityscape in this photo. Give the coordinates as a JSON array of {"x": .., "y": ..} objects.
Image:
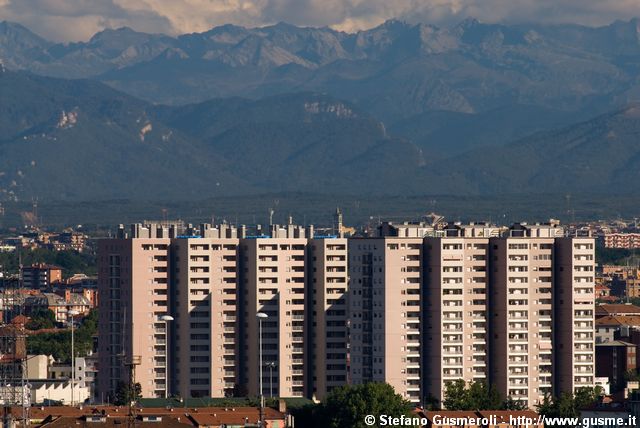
[
  {"x": 524, "y": 308},
  {"x": 308, "y": 214}
]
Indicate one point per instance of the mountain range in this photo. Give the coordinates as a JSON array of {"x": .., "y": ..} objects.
[{"x": 471, "y": 109}]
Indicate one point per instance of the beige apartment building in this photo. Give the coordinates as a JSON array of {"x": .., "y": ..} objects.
[
  {"x": 329, "y": 293},
  {"x": 133, "y": 281},
  {"x": 385, "y": 313},
  {"x": 425, "y": 306},
  {"x": 204, "y": 307},
  {"x": 300, "y": 283},
  {"x": 213, "y": 285},
  {"x": 274, "y": 281},
  {"x": 542, "y": 304},
  {"x": 455, "y": 306},
  {"x": 521, "y": 304},
  {"x": 574, "y": 313}
]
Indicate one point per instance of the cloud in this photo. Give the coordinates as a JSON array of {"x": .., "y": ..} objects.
[{"x": 79, "y": 19}]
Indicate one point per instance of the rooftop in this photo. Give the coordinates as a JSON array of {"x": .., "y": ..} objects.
[
  {"x": 618, "y": 320},
  {"x": 615, "y": 343},
  {"x": 616, "y": 308},
  {"x": 65, "y": 416}
]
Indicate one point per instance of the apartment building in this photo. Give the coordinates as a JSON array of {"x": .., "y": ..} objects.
[
  {"x": 212, "y": 282},
  {"x": 455, "y": 307},
  {"x": 385, "y": 313},
  {"x": 521, "y": 304},
  {"x": 417, "y": 309},
  {"x": 329, "y": 293},
  {"x": 204, "y": 306},
  {"x": 574, "y": 314},
  {"x": 41, "y": 276},
  {"x": 133, "y": 282},
  {"x": 274, "y": 283},
  {"x": 622, "y": 240}
]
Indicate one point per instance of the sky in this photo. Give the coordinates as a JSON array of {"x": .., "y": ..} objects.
[{"x": 74, "y": 20}]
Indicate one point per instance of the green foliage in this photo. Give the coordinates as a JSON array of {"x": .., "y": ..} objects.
[
  {"x": 612, "y": 256},
  {"x": 472, "y": 396},
  {"x": 56, "y": 344},
  {"x": 585, "y": 396},
  {"x": 347, "y": 406},
  {"x": 70, "y": 261},
  {"x": 41, "y": 318},
  {"x": 59, "y": 344},
  {"x": 569, "y": 405},
  {"x": 511, "y": 404},
  {"x": 125, "y": 395}
]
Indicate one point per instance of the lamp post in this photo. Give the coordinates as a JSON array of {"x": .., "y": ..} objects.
[
  {"x": 261, "y": 316},
  {"x": 70, "y": 314},
  {"x": 271, "y": 365},
  {"x": 167, "y": 319}
]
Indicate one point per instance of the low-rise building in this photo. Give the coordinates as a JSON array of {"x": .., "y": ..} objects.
[
  {"x": 609, "y": 326},
  {"x": 41, "y": 276},
  {"x": 614, "y": 360},
  {"x": 609, "y": 309},
  {"x": 209, "y": 417},
  {"x": 51, "y": 381},
  {"x": 622, "y": 240},
  {"x": 59, "y": 305}
]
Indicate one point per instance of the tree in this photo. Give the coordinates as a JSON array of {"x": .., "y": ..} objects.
[
  {"x": 568, "y": 405},
  {"x": 70, "y": 261},
  {"x": 59, "y": 344},
  {"x": 455, "y": 395},
  {"x": 125, "y": 394},
  {"x": 586, "y": 396},
  {"x": 473, "y": 396},
  {"x": 511, "y": 404},
  {"x": 347, "y": 406},
  {"x": 547, "y": 406},
  {"x": 41, "y": 318}
]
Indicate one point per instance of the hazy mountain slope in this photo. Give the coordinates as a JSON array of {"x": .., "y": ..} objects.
[
  {"x": 484, "y": 66},
  {"x": 83, "y": 140},
  {"x": 447, "y": 133},
  {"x": 403, "y": 75},
  {"x": 300, "y": 142},
  {"x": 601, "y": 155},
  {"x": 20, "y": 48}
]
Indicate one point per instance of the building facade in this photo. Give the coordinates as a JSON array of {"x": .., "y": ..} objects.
[
  {"x": 455, "y": 299},
  {"x": 385, "y": 313},
  {"x": 133, "y": 283},
  {"x": 41, "y": 276},
  {"x": 513, "y": 307},
  {"x": 212, "y": 283},
  {"x": 574, "y": 313}
]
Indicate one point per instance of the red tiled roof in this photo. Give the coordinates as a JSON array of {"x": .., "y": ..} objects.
[
  {"x": 613, "y": 309},
  {"x": 618, "y": 320},
  {"x": 58, "y": 416}
]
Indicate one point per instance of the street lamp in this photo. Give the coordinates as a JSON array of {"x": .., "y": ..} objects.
[
  {"x": 271, "y": 365},
  {"x": 261, "y": 316},
  {"x": 70, "y": 314},
  {"x": 167, "y": 319}
]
